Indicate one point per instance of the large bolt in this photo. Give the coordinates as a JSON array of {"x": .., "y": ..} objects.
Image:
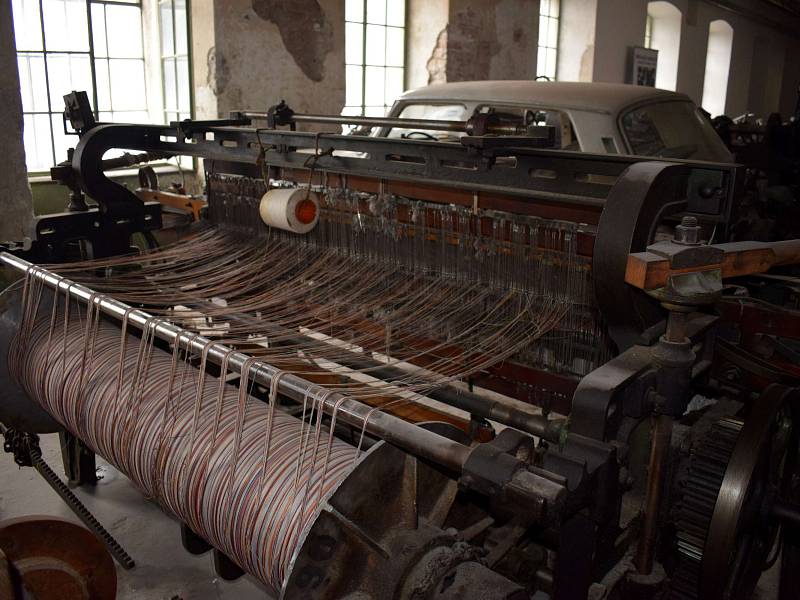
[{"x": 688, "y": 232}]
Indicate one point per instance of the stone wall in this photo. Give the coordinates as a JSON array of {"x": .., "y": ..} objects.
[{"x": 15, "y": 193}]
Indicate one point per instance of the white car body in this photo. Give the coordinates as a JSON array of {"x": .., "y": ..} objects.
[{"x": 598, "y": 114}]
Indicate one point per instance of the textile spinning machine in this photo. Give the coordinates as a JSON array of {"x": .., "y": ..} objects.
[{"x": 400, "y": 368}]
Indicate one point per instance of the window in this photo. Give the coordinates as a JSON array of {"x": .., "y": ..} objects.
[
  {"x": 547, "y": 57},
  {"x": 718, "y": 64},
  {"x": 97, "y": 46},
  {"x": 672, "y": 129},
  {"x": 374, "y": 55},
  {"x": 174, "y": 59},
  {"x": 663, "y": 33}
]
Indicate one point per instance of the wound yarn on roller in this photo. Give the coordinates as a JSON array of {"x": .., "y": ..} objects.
[
  {"x": 248, "y": 479},
  {"x": 290, "y": 209}
]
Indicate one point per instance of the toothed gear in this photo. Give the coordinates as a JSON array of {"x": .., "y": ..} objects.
[
  {"x": 694, "y": 511},
  {"x": 725, "y": 528}
]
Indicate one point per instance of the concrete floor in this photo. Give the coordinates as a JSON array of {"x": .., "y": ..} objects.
[{"x": 163, "y": 571}]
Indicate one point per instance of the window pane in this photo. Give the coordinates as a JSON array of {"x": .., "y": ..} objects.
[
  {"x": 374, "y": 86},
  {"x": 554, "y": 6},
  {"x": 375, "y": 111},
  {"x": 103, "y": 85},
  {"x": 167, "y": 37},
  {"x": 354, "y": 10},
  {"x": 551, "y": 63},
  {"x": 181, "y": 36},
  {"x": 127, "y": 84},
  {"x": 182, "y": 67},
  {"x": 396, "y": 12},
  {"x": 27, "y": 25},
  {"x": 67, "y": 73},
  {"x": 394, "y": 84},
  {"x": 353, "y": 86},
  {"x": 395, "y": 47},
  {"x": 376, "y": 45},
  {"x": 354, "y": 40},
  {"x": 543, "y": 31},
  {"x": 99, "y": 30},
  {"x": 170, "y": 85},
  {"x": 65, "y": 26},
  {"x": 552, "y": 33},
  {"x": 36, "y": 136},
  {"x": 124, "y": 24},
  {"x": 376, "y": 11},
  {"x": 32, "y": 82}
]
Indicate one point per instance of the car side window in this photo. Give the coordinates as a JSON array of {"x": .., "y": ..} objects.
[{"x": 642, "y": 133}]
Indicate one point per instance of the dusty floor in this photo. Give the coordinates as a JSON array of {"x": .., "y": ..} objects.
[{"x": 164, "y": 570}]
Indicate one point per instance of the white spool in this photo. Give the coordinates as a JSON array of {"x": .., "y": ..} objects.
[{"x": 289, "y": 209}]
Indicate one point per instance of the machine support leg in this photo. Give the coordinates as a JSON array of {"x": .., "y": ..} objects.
[
  {"x": 674, "y": 357},
  {"x": 80, "y": 465}
]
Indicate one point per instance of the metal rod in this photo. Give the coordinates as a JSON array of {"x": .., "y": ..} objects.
[
  {"x": 519, "y": 416},
  {"x": 80, "y": 510},
  {"x": 659, "y": 447},
  {"x": 433, "y": 124},
  {"x": 419, "y": 442}
]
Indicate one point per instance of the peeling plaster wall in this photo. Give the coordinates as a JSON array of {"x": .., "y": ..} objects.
[
  {"x": 15, "y": 193},
  {"x": 426, "y": 36},
  {"x": 576, "y": 40},
  {"x": 268, "y": 50},
  {"x": 204, "y": 60},
  {"x": 494, "y": 39}
]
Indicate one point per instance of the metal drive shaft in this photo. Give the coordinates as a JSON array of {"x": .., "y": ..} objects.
[{"x": 83, "y": 513}]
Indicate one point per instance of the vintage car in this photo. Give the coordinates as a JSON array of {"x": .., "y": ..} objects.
[{"x": 589, "y": 117}]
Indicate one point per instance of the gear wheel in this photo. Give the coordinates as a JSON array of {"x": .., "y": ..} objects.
[
  {"x": 694, "y": 511},
  {"x": 724, "y": 519}
]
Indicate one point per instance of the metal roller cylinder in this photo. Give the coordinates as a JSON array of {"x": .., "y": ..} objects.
[{"x": 248, "y": 480}]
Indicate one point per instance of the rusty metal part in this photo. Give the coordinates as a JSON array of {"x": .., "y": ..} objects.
[
  {"x": 659, "y": 449},
  {"x": 83, "y": 513},
  {"x": 382, "y": 535},
  {"x": 25, "y": 447},
  {"x": 674, "y": 358},
  {"x": 55, "y": 559},
  {"x": 6, "y": 578}
]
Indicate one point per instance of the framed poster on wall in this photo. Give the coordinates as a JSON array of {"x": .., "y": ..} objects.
[{"x": 643, "y": 64}]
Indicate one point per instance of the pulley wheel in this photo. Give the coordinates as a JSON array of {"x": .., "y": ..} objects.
[
  {"x": 54, "y": 559},
  {"x": 741, "y": 531}
]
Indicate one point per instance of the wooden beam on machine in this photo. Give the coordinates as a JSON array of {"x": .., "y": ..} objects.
[{"x": 653, "y": 268}]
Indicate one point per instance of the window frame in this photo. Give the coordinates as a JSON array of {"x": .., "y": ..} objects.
[
  {"x": 546, "y": 17},
  {"x": 387, "y": 103},
  {"x": 39, "y": 173}
]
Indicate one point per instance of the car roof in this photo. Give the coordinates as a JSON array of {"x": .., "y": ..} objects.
[{"x": 596, "y": 97}]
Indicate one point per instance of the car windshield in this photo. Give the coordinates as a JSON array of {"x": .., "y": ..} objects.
[
  {"x": 436, "y": 112},
  {"x": 673, "y": 129}
]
